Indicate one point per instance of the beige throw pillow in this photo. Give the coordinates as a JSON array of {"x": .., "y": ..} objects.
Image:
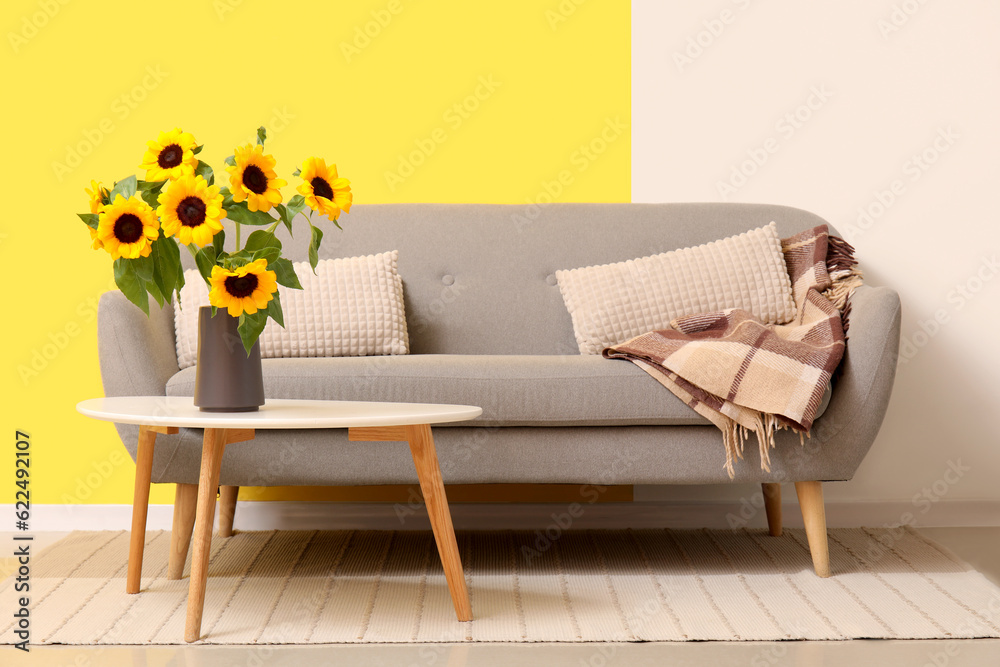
[
  {"x": 612, "y": 303},
  {"x": 352, "y": 307}
]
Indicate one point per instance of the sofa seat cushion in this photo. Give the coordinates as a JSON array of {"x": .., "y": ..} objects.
[{"x": 513, "y": 390}]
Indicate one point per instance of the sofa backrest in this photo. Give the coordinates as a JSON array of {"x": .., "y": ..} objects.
[{"x": 480, "y": 278}]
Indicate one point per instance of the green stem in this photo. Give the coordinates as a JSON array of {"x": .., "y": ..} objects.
[
  {"x": 238, "y": 237},
  {"x": 190, "y": 247},
  {"x": 274, "y": 226}
]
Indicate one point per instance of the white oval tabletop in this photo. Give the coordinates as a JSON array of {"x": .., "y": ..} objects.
[{"x": 275, "y": 413}]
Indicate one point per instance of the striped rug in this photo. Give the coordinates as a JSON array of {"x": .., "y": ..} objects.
[{"x": 619, "y": 586}]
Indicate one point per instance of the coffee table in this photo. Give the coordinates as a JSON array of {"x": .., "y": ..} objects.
[{"x": 365, "y": 421}]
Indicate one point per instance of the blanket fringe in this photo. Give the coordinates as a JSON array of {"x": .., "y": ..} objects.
[
  {"x": 735, "y": 435},
  {"x": 844, "y": 275},
  {"x": 733, "y": 438},
  {"x": 844, "y": 284},
  {"x": 839, "y": 255}
]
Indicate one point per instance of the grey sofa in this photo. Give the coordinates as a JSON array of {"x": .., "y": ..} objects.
[{"x": 488, "y": 327}]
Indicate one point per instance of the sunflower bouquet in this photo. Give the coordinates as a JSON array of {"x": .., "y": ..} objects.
[{"x": 142, "y": 223}]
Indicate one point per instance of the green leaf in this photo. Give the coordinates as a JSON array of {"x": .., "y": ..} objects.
[
  {"x": 269, "y": 254},
  {"x": 240, "y": 258},
  {"x": 125, "y": 187},
  {"x": 261, "y": 135},
  {"x": 166, "y": 266},
  {"x": 197, "y": 149},
  {"x": 205, "y": 171},
  {"x": 274, "y": 311},
  {"x": 143, "y": 267},
  {"x": 285, "y": 273},
  {"x": 296, "y": 204},
  {"x": 130, "y": 284},
  {"x": 154, "y": 291},
  {"x": 205, "y": 259},
  {"x": 244, "y": 216},
  {"x": 151, "y": 197},
  {"x": 284, "y": 217},
  {"x": 156, "y": 186},
  {"x": 262, "y": 239},
  {"x": 179, "y": 284},
  {"x": 219, "y": 241},
  {"x": 296, "y": 172},
  {"x": 250, "y": 328},
  {"x": 89, "y": 218},
  {"x": 317, "y": 238},
  {"x": 231, "y": 160}
]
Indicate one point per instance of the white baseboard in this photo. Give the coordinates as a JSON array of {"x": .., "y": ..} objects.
[{"x": 478, "y": 516}]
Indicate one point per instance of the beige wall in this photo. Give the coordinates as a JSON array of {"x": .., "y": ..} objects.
[{"x": 891, "y": 107}]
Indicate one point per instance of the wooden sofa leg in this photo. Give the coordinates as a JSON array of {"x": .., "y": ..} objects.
[
  {"x": 814, "y": 516},
  {"x": 185, "y": 503},
  {"x": 227, "y": 509},
  {"x": 772, "y": 506}
]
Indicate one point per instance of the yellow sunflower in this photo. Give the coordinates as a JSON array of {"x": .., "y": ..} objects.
[
  {"x": 127, "y": 227},
  {"x": 253, "y": 178},
  {"x": 97, "y": 194},
  {"x": 246, "y": 289},
  {"x": 191, "y": 210},
  {"x": 171, "y": 156},
  {"x": 95, "y": 242},
  {"x": 323, "y": 190}
]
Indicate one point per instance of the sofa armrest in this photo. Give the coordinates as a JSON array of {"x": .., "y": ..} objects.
[
  {"x": 137, "y": 353},
  {"x": 861, "y": 395}
]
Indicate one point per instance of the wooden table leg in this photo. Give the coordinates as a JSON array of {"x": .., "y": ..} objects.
[
  {"x": 431, "y": 485},
  {"x": 213, "y": 447},
  {"x": 185, "y": 504},
  {"x": 140, "y": 502},
  {"x": 140, "y": 506}
]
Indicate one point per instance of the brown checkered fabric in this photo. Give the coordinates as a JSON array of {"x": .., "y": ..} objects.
[{"x": 744, "y": 375}]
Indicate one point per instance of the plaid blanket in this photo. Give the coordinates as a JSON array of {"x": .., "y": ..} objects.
[{"x": 745, "y": 376}]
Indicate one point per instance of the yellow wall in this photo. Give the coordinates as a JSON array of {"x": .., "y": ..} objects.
[{"x": 87, "y": 83}]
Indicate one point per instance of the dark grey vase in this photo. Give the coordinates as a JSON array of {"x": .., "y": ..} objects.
[{"x": 226, "y": 379}]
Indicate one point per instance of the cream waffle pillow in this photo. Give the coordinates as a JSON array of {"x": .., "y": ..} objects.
[
  {"x": 352, "y": 307},
  {"x": 612, "y": 303}
]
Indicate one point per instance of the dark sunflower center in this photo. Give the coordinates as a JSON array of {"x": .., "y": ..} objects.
[
  {"x": 241, "y": 286},
  {"x": 255, "y": 180},
  {"x": 128, "y": 228},
  {"x": 191, "y": 211},
  {"x": 170, "y": 156},
  {"x": 321, "y": 188}
]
